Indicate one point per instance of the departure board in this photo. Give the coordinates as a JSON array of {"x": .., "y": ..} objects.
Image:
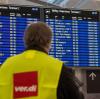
[
  {"x": 13, "y": 21},
  {"x": 76, "y": 36},
  {"x": 76, "y": 33}
]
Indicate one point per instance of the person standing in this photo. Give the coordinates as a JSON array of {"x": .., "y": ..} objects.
[{"x": 34, "y": 74}]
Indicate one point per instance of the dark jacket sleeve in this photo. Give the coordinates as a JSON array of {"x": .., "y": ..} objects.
[{"x": 68, "y": 86}]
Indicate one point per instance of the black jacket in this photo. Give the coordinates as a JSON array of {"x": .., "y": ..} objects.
[{"x": 68, "y": 86}]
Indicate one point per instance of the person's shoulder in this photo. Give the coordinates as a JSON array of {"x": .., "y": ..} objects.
[
  {"x": 12, "y": 58},
  {"x": 68, "y": 69},
  {"x": 9, "y": 61},
  {"x": 67, "y": 72},
  {"x": 54, "y": 59}
]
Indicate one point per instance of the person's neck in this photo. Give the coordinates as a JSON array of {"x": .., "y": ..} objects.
[{"x": 45, "y": 50}]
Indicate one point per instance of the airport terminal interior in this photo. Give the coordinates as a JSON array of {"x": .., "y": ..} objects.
[{"x": 76, "y": 34}]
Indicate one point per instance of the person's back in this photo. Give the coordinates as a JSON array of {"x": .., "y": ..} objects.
[{"x": 33, "y": 74}]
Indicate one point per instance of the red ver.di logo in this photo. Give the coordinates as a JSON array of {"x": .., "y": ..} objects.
[{"x": 25, "y": 84}]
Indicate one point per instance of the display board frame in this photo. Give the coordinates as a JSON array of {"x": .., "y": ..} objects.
[{"x": 42, "y": 15}]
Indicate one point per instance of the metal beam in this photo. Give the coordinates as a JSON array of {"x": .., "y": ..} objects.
[{"x": 44, "y": 3}]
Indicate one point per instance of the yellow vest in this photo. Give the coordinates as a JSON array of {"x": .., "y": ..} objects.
[{"x": 43, "y": 68}]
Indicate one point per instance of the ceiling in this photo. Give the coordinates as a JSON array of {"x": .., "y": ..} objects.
[{"x": 78, "y": 4}]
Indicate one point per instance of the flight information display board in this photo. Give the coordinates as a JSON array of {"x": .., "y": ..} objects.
[
  {"x": 13, "y": 21},
  {"x": 76, "y": 36}
]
